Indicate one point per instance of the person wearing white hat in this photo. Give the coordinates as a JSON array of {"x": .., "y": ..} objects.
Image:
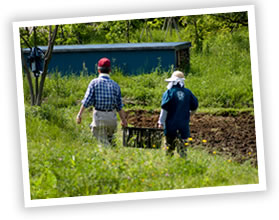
[{"x": 177, "y": 103}]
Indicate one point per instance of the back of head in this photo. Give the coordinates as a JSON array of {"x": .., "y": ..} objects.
[{"x": 104, "y": 65}]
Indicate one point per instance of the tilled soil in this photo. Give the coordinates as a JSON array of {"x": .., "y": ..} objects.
[{"x": 231, "y": 136}]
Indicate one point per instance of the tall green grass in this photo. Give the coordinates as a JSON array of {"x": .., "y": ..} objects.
[
  {"x": 66, "y": 161},
  {"x": 221, "y": 75}
]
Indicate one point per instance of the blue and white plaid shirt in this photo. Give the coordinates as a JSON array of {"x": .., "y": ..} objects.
[{"x": 103, "y": 93}]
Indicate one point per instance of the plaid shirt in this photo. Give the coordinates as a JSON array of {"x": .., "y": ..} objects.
[{"x": 104, "y": 94}]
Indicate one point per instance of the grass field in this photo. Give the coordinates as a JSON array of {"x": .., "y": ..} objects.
[
  {"x": 64, "y": 164},
  {"x": 65, "y": 161}
]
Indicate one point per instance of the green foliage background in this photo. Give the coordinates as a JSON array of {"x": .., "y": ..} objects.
[{"x": 196, "y": 29}]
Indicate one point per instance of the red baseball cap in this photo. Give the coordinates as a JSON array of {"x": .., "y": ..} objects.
[{"x": 104, "y": 62}]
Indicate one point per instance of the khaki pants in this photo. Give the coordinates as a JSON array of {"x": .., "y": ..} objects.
[{"x": 104, "y": 126}]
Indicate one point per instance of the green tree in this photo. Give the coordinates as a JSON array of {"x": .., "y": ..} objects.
[
  {"x": 119, "y": 31},
  {"x": 75, "y": 33},
  {"x": 231, "y": 21},
  {"x": 200, "y": 27},
  {"x": 196, "y": 27}
]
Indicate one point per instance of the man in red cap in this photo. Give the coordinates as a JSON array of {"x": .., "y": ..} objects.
[{"x": 104, "y": 94}]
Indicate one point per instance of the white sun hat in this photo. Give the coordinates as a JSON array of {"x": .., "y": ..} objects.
[{"x": 176, "y": 76}]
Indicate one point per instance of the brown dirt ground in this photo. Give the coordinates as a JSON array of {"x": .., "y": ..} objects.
[{"x": 231, "y": 136}]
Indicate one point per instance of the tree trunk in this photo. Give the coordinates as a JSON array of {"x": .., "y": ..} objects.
[
  {"x": 128, "y": 31},
  {"x": 197, "y": 37},
  {"x": 48, "y": 54},
  {"x": 176, "y": 28},
  {"x": 29, "y": 79}
]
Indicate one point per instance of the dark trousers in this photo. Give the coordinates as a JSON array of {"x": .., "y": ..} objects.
[{"x": 173, "y": 142}]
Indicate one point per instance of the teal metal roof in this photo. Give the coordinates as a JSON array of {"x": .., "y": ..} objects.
[
  {"x": 119, "y": 46},
  {"x": 131, "y": 58}
]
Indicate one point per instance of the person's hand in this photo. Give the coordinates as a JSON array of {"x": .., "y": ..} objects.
[
  {"x": 124, "y": 123},
  {"x": 160, "y": 126},
  {"x": 192, "y": 112},
  {"x": 78, "y": 119}
]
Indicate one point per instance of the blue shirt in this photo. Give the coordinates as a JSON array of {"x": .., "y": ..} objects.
[
  {"x": 104, "y": 94},
  {"x": 178, "y": 102}
]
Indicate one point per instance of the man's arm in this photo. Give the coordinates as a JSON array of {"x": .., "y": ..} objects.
[
  {"x": 119, "y": 106},
  {"x": 123, "y": 118},
  {"x": 194, "y": 103},
  {"x": 162, "y": 118},
  {"x": 78, "y": 119},
  {"x": 87, "y": 100}
]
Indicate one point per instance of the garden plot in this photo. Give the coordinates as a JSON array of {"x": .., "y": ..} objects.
[{"x": 228, "y": 135}]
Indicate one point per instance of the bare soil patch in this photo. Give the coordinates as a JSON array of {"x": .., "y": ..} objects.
[{"x": 230, "y": 136}]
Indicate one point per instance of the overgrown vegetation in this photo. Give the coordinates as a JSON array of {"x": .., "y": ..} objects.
[
  {"x": 220, "y": 77},
  {"x": 65, "y": 161},
  {"x": 196, "y": 29}
]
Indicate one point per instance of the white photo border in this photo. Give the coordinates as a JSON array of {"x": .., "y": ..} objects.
[{"x": 261, "y": 186}]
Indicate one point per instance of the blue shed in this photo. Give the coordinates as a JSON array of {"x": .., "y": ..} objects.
[{"x": 131, "y": 58}]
